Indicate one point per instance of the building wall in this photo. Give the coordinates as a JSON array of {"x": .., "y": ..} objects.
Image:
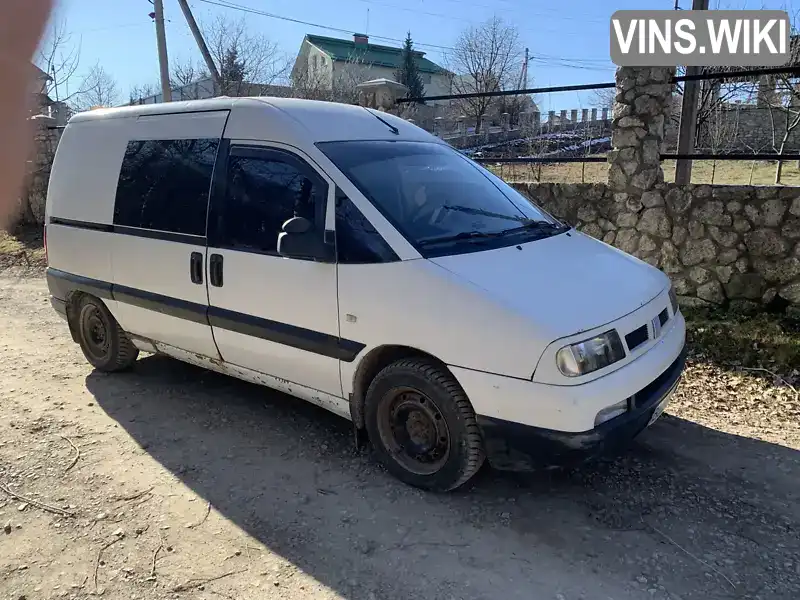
[{"x": 435, "y": 84}]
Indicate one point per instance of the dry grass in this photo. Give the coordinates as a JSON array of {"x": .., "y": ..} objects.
[
  {"x": 24, "y": 248},
  {"x": 704, "y": 171}
]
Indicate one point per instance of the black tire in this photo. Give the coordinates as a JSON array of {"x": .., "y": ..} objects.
[
  {"x": 411, "y": 407},
  {"x": 103, "y": 342}
]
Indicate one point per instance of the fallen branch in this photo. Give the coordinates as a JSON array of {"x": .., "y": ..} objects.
[
  {"x": 677, "y": 545},
  {"x": 203, "y": 520},
  {"x": 77, "y": 453},
  {"x": 775, "y": 376},
  {"x": 192, "y": 584},
  {"x": 99, "y": 554},
  {"x": 36, "y": 503},
  {"x": 132, "y": 496},
  {"x": 155, "y": 557}
]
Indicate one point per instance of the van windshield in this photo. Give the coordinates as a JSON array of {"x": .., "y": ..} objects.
[{"x": 442, "y": 202}]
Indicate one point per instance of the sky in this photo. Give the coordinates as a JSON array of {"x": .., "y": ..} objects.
[{"x": 568, "y": 39}]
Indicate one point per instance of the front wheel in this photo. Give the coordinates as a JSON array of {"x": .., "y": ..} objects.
[
  {"x": 105, "y": 345},
  {"x": 422, "y": 425}
]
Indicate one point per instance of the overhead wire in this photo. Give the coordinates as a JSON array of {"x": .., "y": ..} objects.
[{"x": 543, "y": 59}]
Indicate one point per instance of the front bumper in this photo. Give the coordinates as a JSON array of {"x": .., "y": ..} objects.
[{"x": 518, "y": 447}]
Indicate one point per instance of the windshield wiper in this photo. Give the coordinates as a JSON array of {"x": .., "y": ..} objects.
[
  {"x": 464, "y": 235},
  {"x": 471, "y": 235},
  {"x": 537, "y": 226},
  {"x": 484, "y": 213}
]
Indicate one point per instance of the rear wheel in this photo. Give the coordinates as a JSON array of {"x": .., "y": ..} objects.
[
  {"x": 422, "y": 425},
  {"x": 105, "y": 345}
]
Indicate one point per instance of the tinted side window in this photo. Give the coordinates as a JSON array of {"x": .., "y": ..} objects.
[
  {"x": 357, "y": 241},
  {"x": 261, "y": 195},
  {"x": 164, "y": 185}
]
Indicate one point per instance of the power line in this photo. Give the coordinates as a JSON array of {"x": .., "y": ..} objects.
[
  {"x": 254, "y": 11},
  {"x": 575, "y": 63}
]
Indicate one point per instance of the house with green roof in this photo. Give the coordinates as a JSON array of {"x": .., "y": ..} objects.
[{"x": 330, "y": 63}]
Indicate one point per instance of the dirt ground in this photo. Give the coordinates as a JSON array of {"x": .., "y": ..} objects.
[{"x": 173, "y": 482}]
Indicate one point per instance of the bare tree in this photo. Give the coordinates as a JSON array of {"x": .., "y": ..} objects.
[
  {"x": 784, "y": 113},
  {"x": 247, "y": 62},
  {"x": 59, "y": 57},
  {"x": 485, "y": 58},
  {"x": 720, "y": 132},
  {"x": 190, "y": 80},
  {"x": 338, "y": 83},
  {"x": 98, "y": 88},
  {"x": 138, "y": 93},
  {"x": 604, "y": 98}
]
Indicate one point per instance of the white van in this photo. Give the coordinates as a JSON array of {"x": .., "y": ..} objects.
[{"x": 350, "y": 259}]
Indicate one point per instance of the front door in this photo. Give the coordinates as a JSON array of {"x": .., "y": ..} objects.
[{"x": 268, "y": 313}]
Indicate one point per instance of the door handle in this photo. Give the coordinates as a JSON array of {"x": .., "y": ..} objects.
[
  {"x": 196, "y": 267},
  {"x": 215, "y": 270}
]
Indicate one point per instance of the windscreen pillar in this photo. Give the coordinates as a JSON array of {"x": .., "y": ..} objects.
[{"x": 641, "y": 111}]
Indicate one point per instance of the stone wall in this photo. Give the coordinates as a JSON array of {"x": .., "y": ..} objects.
[
  {"x": 719, "y": 244},
  {"x": 743, "y": 128},
  {"x": 31, "y": 206}
]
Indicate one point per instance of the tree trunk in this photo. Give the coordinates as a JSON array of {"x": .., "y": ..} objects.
[{"x": 779, "y": 167}]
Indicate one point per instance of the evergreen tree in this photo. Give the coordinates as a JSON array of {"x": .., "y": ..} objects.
[
  {"x": 408, "y": 73},
  {"x": 231, "y": 72}
]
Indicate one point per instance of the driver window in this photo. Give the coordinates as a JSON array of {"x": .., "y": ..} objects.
[{"x": 261, "y": 195}]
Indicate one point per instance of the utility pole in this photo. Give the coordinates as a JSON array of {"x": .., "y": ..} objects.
[
  {"x": 201, "y": 43},
  {"x": 688, "y": 128},
  {"x": 525, "y": 71},
  {"x": 163, "y": 62}
]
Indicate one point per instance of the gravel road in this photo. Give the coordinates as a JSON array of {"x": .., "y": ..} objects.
[{"x": 173, "y": 482}]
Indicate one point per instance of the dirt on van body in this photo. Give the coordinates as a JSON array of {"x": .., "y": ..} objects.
[{"x": 173, "y": 482}]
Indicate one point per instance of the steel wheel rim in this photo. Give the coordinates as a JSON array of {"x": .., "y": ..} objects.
[
  {"x": 414, "y": 431},
  {"x": 94, "y": 331}
]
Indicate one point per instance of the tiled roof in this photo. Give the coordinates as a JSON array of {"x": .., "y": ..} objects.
[{"x": 372, "y": 54}]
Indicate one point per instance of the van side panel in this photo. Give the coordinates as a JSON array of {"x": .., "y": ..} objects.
[{"x": 83, "y": 181}]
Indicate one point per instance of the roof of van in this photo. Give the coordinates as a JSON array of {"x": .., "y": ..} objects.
[{"x": 323, "y": 121}]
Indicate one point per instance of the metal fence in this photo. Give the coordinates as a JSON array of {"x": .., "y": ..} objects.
[{"x": 741, "y": 115}]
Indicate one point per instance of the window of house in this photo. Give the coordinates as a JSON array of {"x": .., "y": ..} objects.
[
  {"x": 263, "y": 191},
  {"x": 164, "y": 185},
  {"x": 314, "y": 61},
  {"x": 357, "y": 241},
  {"x": 426, "y": 77}
]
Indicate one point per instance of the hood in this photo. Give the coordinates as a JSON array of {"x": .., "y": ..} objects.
[{"x": 567, "y": 283}]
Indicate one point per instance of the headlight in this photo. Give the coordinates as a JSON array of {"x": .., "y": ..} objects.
[
  {"x": 673, "y": 300},
  {"x": 590, "y": 355}
]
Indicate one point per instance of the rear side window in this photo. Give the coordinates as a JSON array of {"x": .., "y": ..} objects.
[
  {"x": 164, "y": 185},
  {"x": 263, "y": 191}
]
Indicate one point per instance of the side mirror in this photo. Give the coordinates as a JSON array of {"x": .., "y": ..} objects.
[{"x": 299, "y": 239}]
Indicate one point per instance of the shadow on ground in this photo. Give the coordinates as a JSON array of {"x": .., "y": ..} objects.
[{"x": 686, "y": 513}]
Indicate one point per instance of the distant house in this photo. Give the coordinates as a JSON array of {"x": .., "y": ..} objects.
[
  {"x": 43, "y": 105},
  {"x": 325, "y": 60}
]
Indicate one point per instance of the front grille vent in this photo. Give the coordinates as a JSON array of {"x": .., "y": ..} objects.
[{"x": 637, "y": 337}]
